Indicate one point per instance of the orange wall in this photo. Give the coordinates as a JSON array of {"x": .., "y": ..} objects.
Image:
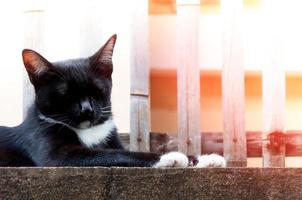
[{"x": 164, "y": 103}]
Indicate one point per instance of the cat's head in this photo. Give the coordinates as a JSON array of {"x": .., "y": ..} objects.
[{"x": 75, "y": 92}]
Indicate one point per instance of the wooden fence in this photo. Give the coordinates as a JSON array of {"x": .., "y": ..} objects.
[{"x": 235, "y": 143}]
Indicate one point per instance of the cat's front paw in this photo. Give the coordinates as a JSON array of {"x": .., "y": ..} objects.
[
  {"x": 212, "y": 160},
  {"x": 173, "y": 159}
]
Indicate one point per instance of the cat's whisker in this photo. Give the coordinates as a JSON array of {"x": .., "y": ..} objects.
[
  {"x": 103, "y": 108},
  {"x": 106, "y": 111},
  {"x": 56, "y": 121},
  {"x": 43, "y": 126}
]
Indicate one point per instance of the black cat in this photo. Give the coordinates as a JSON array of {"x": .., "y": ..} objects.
[{"x": 70, "y": 123}]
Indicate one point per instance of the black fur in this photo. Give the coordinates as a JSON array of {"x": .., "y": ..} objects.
[{"x": 69, "y": 92}]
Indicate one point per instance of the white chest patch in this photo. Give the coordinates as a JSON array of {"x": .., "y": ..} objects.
[
  {"x": 88, "y": 136},
  {"x": 95, "y": 134}
]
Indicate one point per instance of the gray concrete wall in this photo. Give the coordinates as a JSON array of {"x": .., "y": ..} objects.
[{"x": 150, "y": 183}]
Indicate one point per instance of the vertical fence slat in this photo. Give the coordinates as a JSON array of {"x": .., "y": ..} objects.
[
  {"x": 33, "y": 39},
  {"x": 140, "y": 109},
  {"x": 188, "y": 78},
  {"x": 234, "y": 136},
  {"x": 273, "y": 87}
]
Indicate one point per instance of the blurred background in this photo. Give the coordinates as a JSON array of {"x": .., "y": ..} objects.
[{"x": 78, "y": 28}]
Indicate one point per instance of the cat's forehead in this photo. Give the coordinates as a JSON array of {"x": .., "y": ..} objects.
[
  {"x": 80, "y": 63},
  {"x": 73, "y": 70},
  {"x": 76, "y": 72}
]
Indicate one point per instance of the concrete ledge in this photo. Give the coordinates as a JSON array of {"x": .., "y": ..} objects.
[{"x": 150, "y": 183}]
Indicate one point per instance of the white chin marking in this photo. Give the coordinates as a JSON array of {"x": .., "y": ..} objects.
[
  {"x": 173, "y": 159},
  {"x": 85, "y": 124},
  {"x": 212, "y": 160},
  {"x": 95, "y": 134}
]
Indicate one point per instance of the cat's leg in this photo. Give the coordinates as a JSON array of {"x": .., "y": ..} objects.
[
  {"x": 211, "y": 160},
  {"x": 79, "y": 156},
  {"x": 9, "y": 158}
]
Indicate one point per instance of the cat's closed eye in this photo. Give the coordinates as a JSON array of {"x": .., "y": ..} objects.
[
  {"x": 98, "y": 93},
  {"x": 62, "y": 88}
]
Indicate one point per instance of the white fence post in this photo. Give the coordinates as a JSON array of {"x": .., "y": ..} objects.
[
  {"x": 273, "y": 90},
  {"x": 140, "y": 109},
  {"x": 188, "y": 78},
  {"x": 234, "y": 136}
]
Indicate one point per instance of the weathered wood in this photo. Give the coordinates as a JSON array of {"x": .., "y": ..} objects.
[
  {"x": 273, "y": 90},
  {"x": 188, "y": 79},
  {"x": 140, "y": 125},
  {"x": 233, "y": 84},
  {"x": 213, "y": 143},
  {"x": 33, "y": 39},
  {"x": 140, "y": 109}
]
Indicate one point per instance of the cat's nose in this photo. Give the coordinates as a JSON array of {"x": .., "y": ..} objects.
[{"x": 86, "y": 108}]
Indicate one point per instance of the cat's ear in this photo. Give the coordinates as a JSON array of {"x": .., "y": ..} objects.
[
  {"x": 101, "y": 61},
  {"x": 34, "y": 63}
]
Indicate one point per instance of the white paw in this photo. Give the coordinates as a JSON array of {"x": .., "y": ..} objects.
[
  {"x": 173, "y": 159},
  {"x": 212, "y": 160}
]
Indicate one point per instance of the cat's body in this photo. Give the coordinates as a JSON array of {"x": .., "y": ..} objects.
[
  {"x": 70, "y": 123},
  {"x": 39, "y": 142}
]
